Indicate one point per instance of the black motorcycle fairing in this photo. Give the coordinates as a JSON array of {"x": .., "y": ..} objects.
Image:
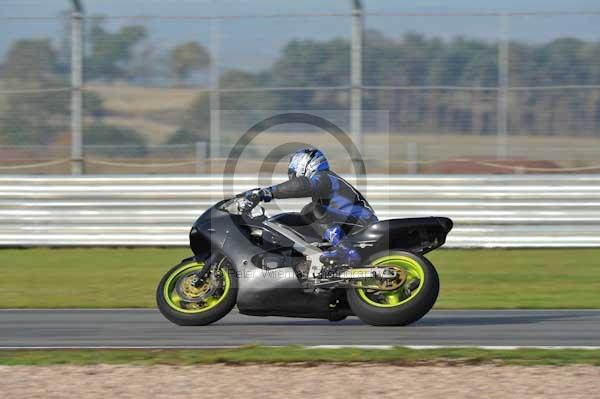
[
  {"x": 418, "y": 235},
  {"x": 301, "y": 224},
  {"x": 260, "y": 292}
]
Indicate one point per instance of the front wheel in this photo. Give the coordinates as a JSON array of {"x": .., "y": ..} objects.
[
  {"x": 406, "y": 304},
  {"x": 188, "y": 301}
]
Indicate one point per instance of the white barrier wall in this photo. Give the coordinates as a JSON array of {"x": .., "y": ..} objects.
[{"x": 488, "y": 211}]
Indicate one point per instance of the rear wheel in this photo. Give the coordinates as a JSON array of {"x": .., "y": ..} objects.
[
  {"x": 187, "y": 300},
  {"x": 404, "y": 305}
]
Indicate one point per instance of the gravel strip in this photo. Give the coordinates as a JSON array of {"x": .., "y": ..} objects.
[{"x": 299, "y": 381}]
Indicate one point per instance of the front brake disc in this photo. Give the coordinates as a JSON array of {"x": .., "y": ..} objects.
[{"x": 189, "y": 290}]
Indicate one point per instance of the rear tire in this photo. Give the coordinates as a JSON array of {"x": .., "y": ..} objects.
[
  {"x": 408, "y": 310},
  {"x": 176, "y": 313}
]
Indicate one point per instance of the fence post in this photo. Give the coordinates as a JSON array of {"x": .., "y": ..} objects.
[
  {"x": 201, "y": 157},
  {"x": 76, "y": 88},
  {"x": 502, "y": 106},
  {"x": 215, "y": 95},
  {"x": 356, "y": 83},
  {"x": 412, "y": 157}
]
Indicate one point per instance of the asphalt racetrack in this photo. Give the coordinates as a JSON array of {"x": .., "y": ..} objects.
[{"x": 80, "y": 328}]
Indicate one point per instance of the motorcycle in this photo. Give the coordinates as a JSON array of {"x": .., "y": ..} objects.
[{"x": 269, "y": 266}]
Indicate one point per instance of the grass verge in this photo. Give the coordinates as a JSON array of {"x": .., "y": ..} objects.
[
  {"x": 127, "y": 277},
  {"x": 298, "y": 354}
]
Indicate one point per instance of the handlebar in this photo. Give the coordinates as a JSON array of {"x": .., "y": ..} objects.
[{"x": 235, "y": 206}]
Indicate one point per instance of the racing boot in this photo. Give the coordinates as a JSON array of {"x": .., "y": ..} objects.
[{"x": 342, "y": 254}]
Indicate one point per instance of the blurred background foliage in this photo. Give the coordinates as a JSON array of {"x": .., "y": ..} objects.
[{"x": 127, "y": 57}]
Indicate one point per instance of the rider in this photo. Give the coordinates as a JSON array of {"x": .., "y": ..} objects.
[{"x": 336, "y": 203}]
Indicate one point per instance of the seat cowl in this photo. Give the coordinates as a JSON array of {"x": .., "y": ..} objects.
[{"x": 413, "y": 234}]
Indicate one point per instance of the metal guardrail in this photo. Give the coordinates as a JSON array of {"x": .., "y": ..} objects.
[{"x": 488, "y": 211}]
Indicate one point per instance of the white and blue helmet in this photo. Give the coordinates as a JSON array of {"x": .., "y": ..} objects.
[{"x": 306, "y": 162}]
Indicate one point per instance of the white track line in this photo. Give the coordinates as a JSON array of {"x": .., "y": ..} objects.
[
  {"x": 377, "y": 347},
  {"x": 419, "y": 347}
]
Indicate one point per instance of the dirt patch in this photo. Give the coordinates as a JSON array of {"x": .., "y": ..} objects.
[{"x": 327, "y": 381}]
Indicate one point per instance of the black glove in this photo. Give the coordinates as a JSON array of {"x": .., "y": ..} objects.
[
  {"x": 259, "y": 194},
  {"x": 253, "y": 197}
]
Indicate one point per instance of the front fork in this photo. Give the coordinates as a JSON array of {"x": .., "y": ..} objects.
[{"x": 207, "y": 265}]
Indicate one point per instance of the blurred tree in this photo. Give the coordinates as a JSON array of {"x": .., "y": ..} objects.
[
  {"x": 30, "y": 60},
  {"x": 236, "y": 78},
  {"x": 248, "y": 100},
  {"x": 39, "y": 116},
  {"x": 127, "y": 141},
  {"x": 318, "y": 63},
  {"x": 195, "y": 122},
  {"x": 310, "y": 63},
  {"x": 103, "y": 134},
  {"x": 186, "y": 58},
  {"x": 147, "y": 66},
  {"x": 183, "y": 136},
  {"x": 111, "y": 52},
  {"x": 35, "y": 117},
  {"x": 93, "y": 105},
  {"x": 196, "y": 119}
]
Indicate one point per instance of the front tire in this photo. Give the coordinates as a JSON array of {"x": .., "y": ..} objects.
[
  {"x": 222, "y": 280},
  {"x": 397, "y": 308}
]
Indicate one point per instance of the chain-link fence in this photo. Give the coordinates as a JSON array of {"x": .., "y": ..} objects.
[{"x": 170, "y": 90}]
